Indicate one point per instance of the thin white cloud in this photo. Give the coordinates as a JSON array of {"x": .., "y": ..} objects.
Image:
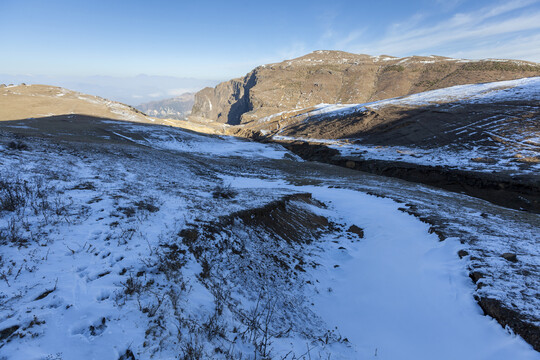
[
  {"x": 470, "y": 33},
  {"x": 447, "y": 5},
  {"x": 409, "y": 24},
  {"x": 506, "y": 7},
  {"x": 177, "y": 92},
  {"x": 527, "y": 47},
  {"x": 463, "y": 32},
  {"x": 460, "y": 22},
  {"x": 292, "y": 51},
  {"x": 349, "y": 39}
]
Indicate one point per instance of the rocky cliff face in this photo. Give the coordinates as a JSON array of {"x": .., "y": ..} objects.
[
  {"x": 340, "y": 77},
  {"x": 228, "y": 101}
]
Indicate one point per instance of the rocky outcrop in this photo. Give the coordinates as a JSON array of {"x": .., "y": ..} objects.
[
  {"x": 508, "y": 317},
  {"x": 339, "y": 77},
  {"x": 228, "y": 101}
]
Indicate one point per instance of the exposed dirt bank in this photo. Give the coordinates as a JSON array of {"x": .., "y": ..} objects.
[{"x": 520, "y": 193}]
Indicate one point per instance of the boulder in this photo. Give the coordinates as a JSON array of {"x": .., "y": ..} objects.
[
  {"x": 510, "y": 257},
  {"x": 356, "y": 230}
]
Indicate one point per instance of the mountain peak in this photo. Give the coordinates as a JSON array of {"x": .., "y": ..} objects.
[{"x": 329, "y": 76}]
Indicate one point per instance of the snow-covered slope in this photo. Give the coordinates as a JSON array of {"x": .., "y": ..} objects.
[
  {"x": 511, "y": 90},
  {"x": 139, "y": 241},
  {"x": 481, "y": 127}
]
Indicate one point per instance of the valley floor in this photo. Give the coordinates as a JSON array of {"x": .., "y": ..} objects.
[{"x": 130, "y": 241}]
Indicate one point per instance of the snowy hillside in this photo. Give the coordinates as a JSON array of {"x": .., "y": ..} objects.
[
  {"x": 481, "y": 127},
  {"x": 520, "y": 89},
  {"x": 511, "y": 90},
  {"x": 140, "y": 241}
]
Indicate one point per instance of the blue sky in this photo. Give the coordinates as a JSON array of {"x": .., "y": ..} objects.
[{"x": 223, "y": 39}]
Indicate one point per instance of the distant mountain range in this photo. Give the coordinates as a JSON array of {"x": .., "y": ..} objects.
[{"x": 178, "y": 108}]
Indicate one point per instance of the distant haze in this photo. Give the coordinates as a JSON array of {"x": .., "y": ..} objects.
[{"x": 133, "y": 90}]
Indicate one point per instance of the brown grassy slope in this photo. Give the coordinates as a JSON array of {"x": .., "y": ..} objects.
[
  {"x": 340, "y": 77},
  {"x": 37, "y": 101}
]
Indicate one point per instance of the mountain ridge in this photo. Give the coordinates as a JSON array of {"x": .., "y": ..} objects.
[{"x": 340, "y": 77}]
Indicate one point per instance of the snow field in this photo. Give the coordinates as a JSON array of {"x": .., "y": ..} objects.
[
  {"x": 401, "y": 294},
  {"x": 397, "y": 293}
]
